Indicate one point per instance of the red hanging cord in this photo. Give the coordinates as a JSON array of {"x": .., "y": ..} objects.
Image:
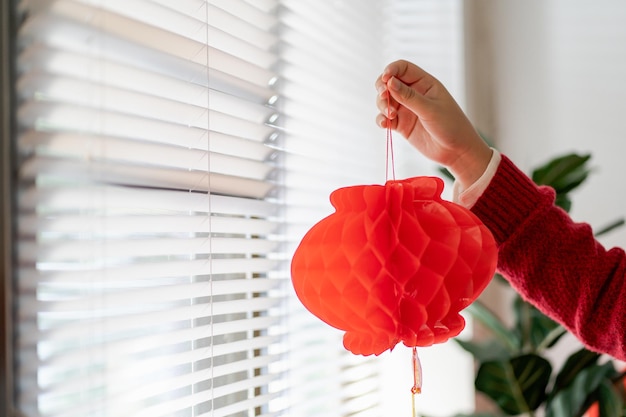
[
  {"x": 417, "y": 379},
  {"x": 389, "y": 152},
  {"x": 417, "y": 366}
]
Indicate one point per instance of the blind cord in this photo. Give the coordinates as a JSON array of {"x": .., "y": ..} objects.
[{"x": 208, "y": 132}]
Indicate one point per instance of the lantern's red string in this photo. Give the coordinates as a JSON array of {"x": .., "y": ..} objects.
[
  {"x": 417, "y": 366},
  {"x": 417, "y": 378},
  {"x": 389, "y": 152}
]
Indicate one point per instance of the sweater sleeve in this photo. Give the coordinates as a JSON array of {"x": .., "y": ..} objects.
[{"x": 555, "y": 263}]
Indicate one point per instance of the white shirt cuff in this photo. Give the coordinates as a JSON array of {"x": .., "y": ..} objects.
[{"x": 468, "y": 197}]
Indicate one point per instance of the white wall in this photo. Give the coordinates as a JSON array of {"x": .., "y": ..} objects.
[
  {"x": 554, "y": 81},
  {"x": 548, "y": 77}
]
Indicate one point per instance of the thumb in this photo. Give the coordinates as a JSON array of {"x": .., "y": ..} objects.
[{"x": 407, "y": 96}]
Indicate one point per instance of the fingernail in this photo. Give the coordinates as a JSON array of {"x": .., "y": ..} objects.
[
  {"x": 394, "y": 83},
  {"x": 390, "y": 112},
  {"x": 381, "y": 88}
]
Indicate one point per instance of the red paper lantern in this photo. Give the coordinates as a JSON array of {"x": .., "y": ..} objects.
[{"x": 393, "y": 263}]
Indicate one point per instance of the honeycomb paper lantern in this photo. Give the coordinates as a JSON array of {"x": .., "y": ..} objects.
[{"x": 394, "y": 263}]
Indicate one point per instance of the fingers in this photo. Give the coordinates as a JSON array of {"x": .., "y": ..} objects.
[
  {"x": 384, "y": 122},
  {"x": 406, "y": 71},
  {"x": 408, "y": 96},
  {"x": 403, "y": 85},
  {"x": 387, "y": 109},
  {"x": 386, "y": 105}
]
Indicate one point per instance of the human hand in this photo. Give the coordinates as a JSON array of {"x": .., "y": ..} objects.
[{"x": 418, "y": 106}]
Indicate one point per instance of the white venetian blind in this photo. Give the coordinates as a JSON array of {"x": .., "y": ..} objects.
[
  {"x": 149, "y": 213},
  {"x": 172, "y": 155},
  {"x": 431, "y": 34},
  {"x": 331, "y": 57}
]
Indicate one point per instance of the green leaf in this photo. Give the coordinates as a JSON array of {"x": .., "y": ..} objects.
[
  {"x": 614, "y": 225},
  {"x": 517, "y": 385},
  {"x": 534, "y": 327},
  {"x": 563, "y": 173},
  {"x": 557, "y": 167},
  {"x": 609, "y": 401},
  {"x": 446, "y": 173},
  {"x": 481, "y": 313},
  {"x": 489, "y": 350},
  {"x": 476, "y": 415},
  {"x": 571, "y": 181},
  {"x": 577, "y": 361},
  {"x": 551, "y": 338},
  {"x": 563, "y": 201},
  {"x": 571, "y": 400}
]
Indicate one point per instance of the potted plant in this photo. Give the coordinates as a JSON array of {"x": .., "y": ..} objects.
[{"x": 513, "y": 372}]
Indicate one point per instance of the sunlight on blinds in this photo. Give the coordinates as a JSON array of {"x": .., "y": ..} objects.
[
  {"x": 331, "y": 57},
  {"x": 171, "y": 156},
  {"x": 148, "y": 211}
]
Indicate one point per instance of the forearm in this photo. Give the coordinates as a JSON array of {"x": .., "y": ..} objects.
[{"x": 555, "y": 263}]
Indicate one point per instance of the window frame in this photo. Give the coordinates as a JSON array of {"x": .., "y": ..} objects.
[{"x": 7, "y": 230}]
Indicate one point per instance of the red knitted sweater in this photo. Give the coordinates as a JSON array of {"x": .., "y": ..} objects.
[{"x": 554, "y": 263}]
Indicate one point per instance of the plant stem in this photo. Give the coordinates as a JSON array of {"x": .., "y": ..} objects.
[{"x": 552, "y": 335}]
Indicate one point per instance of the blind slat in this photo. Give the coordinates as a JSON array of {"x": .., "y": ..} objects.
[
  {"x": 78, "y": 119},
  {"x": 79, "y": 224},
  {"x": 117, "y": 300},
  {"x": 192, "y": 24},
  {"x": 128, "y": 392},
  {"x": 89, "y": 119},
  {"x": 135, "y": 398},
  {"x": 63, "y": 28},
  {"x": 92, "y": 95},
  {"x": 172, "y": 357},
  {"x": 87, "y": 199},
  {"x": 144, "y": 176},
  {"x": 54, "y": 60},
  {"x": 165, "y": 409},
  {"x": 174, "y": 34},
  {"x": 122, "y": 88},
  {"x": 255, "y": 13},
  {"x": 92, "y": 147},
  {"x": 141, "y": 343},
  {"x": 143, "y": 271},
  {"x": 125, "y": 249}
]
